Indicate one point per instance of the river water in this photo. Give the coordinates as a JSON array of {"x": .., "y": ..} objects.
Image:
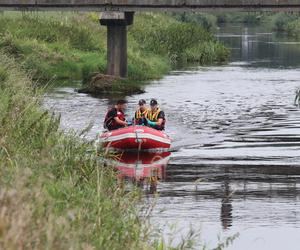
[{"x": 235, "y": 165}]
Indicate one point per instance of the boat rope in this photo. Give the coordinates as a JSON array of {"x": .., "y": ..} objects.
[{"x": 137, "y": 164}]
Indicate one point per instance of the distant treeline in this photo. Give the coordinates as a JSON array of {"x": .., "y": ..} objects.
[{"x": 288, "y": 22}]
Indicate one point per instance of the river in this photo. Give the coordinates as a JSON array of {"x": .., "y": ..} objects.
[{"x": 235, "y": 165}]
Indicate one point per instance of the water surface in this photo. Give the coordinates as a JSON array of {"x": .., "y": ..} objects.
[{"x": 236, "y": 140}]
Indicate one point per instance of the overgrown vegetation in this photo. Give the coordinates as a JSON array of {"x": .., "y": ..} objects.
[
  {"x": 242, "y": 17},
  {"x": 293, "y": 28},
  {"x": 283, "y": 21},
  {"x": 72, "y": 45},
  {"x": 54, "y": 192},
  {"x": 210, "y": 21},
  {"x": 179, "y": 41},
  {"x": 206, "y": 20}
]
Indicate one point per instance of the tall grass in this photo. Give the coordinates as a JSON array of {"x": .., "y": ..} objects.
[
  {"x": 56, "y": 46},
  {"x": 54, "y": 191},
  {"x": 73, "y": 45},
  {"x": 163, "y": 36}
]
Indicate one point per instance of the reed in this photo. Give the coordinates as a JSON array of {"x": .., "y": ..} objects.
[{"x": 55, "y": 192}]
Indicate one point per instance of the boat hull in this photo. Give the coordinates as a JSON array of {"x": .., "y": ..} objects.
[{"x": 135, "y": 137}]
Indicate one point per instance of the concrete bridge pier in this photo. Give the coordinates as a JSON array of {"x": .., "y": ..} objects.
[{"x": 117, "y": 23}]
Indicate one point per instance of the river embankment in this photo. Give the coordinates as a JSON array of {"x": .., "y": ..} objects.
[{"x": 72, "y": 46}]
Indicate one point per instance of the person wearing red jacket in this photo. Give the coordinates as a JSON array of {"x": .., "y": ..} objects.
[{"x": 115, "y": 117}]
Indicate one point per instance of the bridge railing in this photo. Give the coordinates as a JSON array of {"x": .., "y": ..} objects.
[{"x": 146, "y": 5}]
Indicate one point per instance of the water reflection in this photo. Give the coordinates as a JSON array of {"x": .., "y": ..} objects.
[
  {"x": 144, "y": 169},
  {"x": 259, "y": 48},
  {"x": 226, "y": 205},
  {"x": 253, "y": 189}
]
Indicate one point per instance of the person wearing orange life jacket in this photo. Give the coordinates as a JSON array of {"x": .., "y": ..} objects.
[
  {"x": 141, "y": 113},
  {"x": 115, "y": 117},
  {"x": 155, "y": 116}
]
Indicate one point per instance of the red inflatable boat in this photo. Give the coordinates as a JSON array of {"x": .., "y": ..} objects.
[
  {"x": 135, "y": 137},
  {"x": 142, "y": 165}
]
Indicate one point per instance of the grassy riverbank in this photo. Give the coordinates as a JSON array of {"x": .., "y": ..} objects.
[
  {"x": 54, "y": 193},
  {"x": 72, "y": 45}
]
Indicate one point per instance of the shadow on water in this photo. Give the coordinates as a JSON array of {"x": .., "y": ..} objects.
[{"x": 251, "y": 195}]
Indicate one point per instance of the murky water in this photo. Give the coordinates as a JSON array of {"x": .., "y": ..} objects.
[{"x": 236, "y": 132}]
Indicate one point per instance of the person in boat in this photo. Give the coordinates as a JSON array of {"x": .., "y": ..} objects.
[
  {"x": 141, "y": 113},
  {"x": 115, "y": 117},
  {"x": 155, "y": 116}
]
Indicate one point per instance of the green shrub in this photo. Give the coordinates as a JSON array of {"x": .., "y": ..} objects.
[
  {"x": 223, "y": 18},
  {"x": 252, "y": 18},
  {"x": 207, "y": 53},
  {"x": 207, "y": 21},
  {"x": 293, "y": 28},
  {"x": 241, "y": 17},
  {"x": 280, "y": 21}
]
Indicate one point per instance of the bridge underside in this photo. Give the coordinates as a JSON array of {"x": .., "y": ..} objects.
[{"x": 152, "y": 5}]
